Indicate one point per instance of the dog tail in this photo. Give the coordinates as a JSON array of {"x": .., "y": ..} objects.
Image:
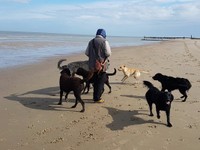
[
  {"x": 143, "y": 71},
  {"x": 148, "y": 84},
  {"x": 111, "y": 74},
  {"x": 59, "y": 64}
]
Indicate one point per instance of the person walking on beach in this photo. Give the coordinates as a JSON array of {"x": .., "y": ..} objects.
[{"x": 98, "y": 49}]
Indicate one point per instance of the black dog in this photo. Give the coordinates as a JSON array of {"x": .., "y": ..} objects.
[
  {"x": 84, "y": 73},
  {"x": 170, "y": 83},
  {"x": 68, "y": 84},
  {"x": 162, "y": 100}
]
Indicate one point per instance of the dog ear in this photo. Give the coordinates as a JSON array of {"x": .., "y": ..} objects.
[
  {"x": 67, "y": 71},
  {"x": 172, "y": 97},
  {"x": 62, "y": 72}
]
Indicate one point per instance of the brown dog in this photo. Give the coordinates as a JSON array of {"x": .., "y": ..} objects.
[
  {"x": 68, "y": 84},
  {"x": 85, "y": 74},
  {"x": 128, "y": 72}
]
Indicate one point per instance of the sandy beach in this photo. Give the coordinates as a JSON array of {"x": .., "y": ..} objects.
[{"x": 31, "y": 118}]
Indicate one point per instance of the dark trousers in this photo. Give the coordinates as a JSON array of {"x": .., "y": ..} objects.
[{"x": 99, "y": 79}]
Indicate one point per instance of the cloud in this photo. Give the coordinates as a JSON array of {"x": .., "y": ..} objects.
[
  {"x": 188, "y": 11},
  {"x": 126, "y": 11},
  {"x": 145, "y": 14},
  {"x": 19, "y": 1}
]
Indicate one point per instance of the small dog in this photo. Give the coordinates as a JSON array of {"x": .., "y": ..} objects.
[
  {"x": 85, "y": 74},
  {"x": 68, "y": 84},
  {"x": 162, "y": 100},
  {"x": 136, "y": 73},
  {"x": 170, "y": 83},
  {"x": 73, "y": 66}
]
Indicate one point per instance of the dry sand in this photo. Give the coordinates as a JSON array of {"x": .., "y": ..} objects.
[{"x": 31, "y": 118}]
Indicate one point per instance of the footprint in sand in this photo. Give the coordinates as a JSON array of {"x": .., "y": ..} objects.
[{"x": 122, "y": 142}]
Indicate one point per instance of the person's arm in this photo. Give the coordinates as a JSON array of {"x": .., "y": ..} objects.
[
  {"x": 87, "y": 50},
  {"x": 108, "y": 49}
]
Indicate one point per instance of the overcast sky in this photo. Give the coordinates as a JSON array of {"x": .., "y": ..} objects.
[{"x": 117, "y": 17}]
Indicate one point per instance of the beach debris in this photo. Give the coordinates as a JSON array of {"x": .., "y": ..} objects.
[
  {"x": 59, "y": 139},
  {"x": 152, "y": 126},
  {"x": 44, "y": 131}
]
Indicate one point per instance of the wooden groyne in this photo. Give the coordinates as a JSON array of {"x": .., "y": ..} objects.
[
  {"x": 161, "y": 38},
  {"x": 157, "y": 38},
  {"x": 193, "y": 38}
]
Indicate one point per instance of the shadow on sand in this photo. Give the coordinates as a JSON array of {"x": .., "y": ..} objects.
[
  {"x": 44, "y": 99},
  {"x": 125, "y": 118}
]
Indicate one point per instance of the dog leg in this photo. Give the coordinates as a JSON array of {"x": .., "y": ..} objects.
[
  {"x": 76, "y": 102},
  {"x": 137, "y": 81},
  {"x": 102, "y": 91},
  {"x": 61, "y": 94},
  {"x": 84, "y": 89},
  {"x": 82, "y": 103},
  {"x": 66, "y": 95},
  {"x": 124, "y": 78},
  {"x": 77, "y": 94},
  {"x": 184, "y": 95},
  {"x": 88, "y": 87},
  {"x": 168, "y": 118},
  {"x": 108, "y": 86},
  {"x": 150, "y": 108},
  {"x": 158, "y": 113}
]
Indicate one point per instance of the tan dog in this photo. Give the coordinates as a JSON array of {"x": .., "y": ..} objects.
[{"x": 136, "y": 73}]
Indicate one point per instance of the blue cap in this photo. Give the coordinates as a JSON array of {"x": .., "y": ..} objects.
[{"x": 101, "y": 32}]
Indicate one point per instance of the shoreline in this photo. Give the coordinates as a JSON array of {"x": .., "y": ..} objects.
[
  {"x": 72, "y": 54},
  {"x": 31, "y": 118},
  {"x": 20, "y": 48}
]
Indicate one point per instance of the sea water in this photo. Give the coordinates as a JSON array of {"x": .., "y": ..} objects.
[{"x": 19, "y": 48}]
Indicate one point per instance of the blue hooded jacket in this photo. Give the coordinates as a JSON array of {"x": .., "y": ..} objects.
[{"x": 101, "y": 32}]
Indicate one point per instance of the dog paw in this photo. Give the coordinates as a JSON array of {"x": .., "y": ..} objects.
[
  {"x": 169, "y": 125},
  {"x": 59, "y": 103},
  {"x": 83, "y": 110},
  {"x": 158, "y": 117},
  {"x": 151, "y": 115}
]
